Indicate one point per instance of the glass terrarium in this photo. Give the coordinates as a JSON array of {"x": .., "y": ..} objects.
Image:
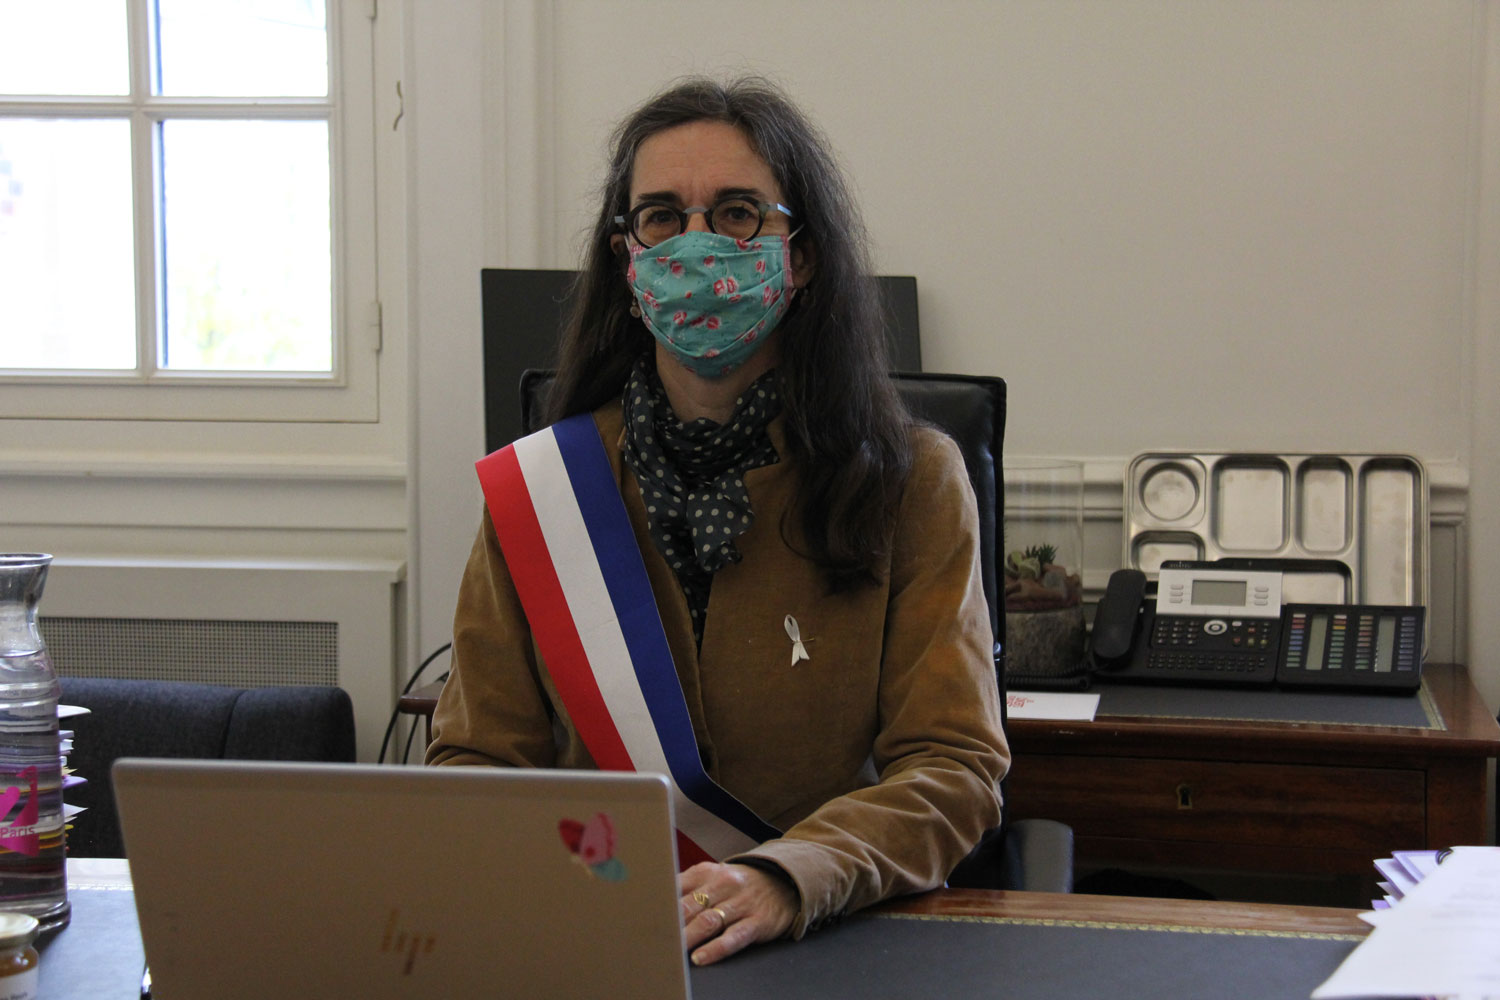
[{"x": 1042, "y": 569}]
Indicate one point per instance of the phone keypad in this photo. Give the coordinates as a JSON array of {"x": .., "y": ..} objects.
[
  {"x": 1247, "y": 634},
  {"x": 1188, "y": 646},
  {"x": 1209, "y": 662}
]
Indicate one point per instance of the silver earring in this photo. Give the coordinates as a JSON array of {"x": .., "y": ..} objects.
[{"x": 635, "y": 309}]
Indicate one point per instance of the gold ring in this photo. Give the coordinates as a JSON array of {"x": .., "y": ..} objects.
[
  {"x": 701, "y": 898},
  {"x": 723, "y": 917}
]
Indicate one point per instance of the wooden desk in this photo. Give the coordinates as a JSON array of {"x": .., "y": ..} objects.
[
  {"x": 993, "y": 935},
  {"x": 1260, "y": 796},
  {"x": 421, "y": 703},
  {"x": 1195, "y": 913}
]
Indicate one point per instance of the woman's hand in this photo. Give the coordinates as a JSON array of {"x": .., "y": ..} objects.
[{"x": 732, "y": 907}]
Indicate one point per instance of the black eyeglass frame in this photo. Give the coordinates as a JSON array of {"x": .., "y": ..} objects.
[{"x": 629, "y": 220}]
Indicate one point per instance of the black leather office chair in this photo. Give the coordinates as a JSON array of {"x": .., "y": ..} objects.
[
  {"x": 146, "y": 718},
  {"x": 1034, "y": 854}
]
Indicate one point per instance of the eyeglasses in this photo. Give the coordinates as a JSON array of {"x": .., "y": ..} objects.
[{"x": 651, "y": 222}]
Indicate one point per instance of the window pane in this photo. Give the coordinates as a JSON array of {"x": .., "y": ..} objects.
[
  {"x": 248, "y": 246},
  {"x": 67, "y": 272},
  {"x": 77, "y": 47},
  {"x": 238, "y": 47}
]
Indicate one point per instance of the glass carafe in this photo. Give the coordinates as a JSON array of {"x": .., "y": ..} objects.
[{"x": 33, "y": 876}]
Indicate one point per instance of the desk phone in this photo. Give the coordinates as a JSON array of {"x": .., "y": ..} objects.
[{"x": 1229, "y": 626}]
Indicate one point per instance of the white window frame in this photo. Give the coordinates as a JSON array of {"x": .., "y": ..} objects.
[{"x": 350, "y": 393}]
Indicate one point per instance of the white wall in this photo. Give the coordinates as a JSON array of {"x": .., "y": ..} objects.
[
  {"x": 1483, "y": 553},
  {"x": 1243, "y": 225},
  {"x": 1104, "y": 198},
  {"x": 445, "y": 92}
]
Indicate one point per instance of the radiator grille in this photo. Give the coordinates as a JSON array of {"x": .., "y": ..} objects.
[{"x": 235, "y": 653}]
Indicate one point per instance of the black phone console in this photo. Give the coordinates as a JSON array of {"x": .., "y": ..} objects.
[{"x": 1211, "y": 625}]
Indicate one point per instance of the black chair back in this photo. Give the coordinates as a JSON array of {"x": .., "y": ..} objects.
[
  {"x": 148, "y": 718},
  {"x": 971, "y": 410}
]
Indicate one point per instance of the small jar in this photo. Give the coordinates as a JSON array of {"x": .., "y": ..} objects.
[{"x": 18, "y": 959}]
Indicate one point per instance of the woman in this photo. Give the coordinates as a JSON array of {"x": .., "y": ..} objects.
[{"x": 728, "y": 342}]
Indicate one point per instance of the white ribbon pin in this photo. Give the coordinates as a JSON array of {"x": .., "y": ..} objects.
[{"x": 799, "y": 651}]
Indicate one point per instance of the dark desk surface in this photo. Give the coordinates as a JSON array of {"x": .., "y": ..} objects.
[
  {"x": 960, "y": 944},
  {"x": 954, "y": 943},
  {"x": 1465, "y": 727}
]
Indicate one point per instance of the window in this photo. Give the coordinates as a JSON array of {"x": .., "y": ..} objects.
[{"x": 187, "y": 203}]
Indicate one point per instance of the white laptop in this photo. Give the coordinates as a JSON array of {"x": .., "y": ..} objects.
[{"x": 260, "y": 880}]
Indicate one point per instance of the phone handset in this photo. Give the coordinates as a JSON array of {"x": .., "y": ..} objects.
[{"x": 1116, "y": 623}]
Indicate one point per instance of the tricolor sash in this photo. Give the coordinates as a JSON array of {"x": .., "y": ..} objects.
[{"x": 579, "y": 574}]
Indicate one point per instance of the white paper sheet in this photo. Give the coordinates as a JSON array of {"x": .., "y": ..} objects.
[
  {"x": 1439, "y": 940},
  {"x": 98, "y": 873},
  {"x": 1068, "y": 706}
]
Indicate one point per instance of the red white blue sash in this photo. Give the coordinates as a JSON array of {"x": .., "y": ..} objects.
[{"x": 578, "y": 571}]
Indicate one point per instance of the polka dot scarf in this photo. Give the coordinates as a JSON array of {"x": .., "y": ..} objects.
[{"x": 692, "y": 477}]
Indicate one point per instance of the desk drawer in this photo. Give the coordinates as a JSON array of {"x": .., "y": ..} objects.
[{"x": 1268, "y": 805}]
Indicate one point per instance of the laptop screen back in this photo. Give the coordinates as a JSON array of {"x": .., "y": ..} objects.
[{"x": 261, "y": 879}]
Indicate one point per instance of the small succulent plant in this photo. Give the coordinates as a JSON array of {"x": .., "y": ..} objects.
[
  {"x": 1035, "y": 582},
  {"x": 1023, "y": 565},
  {"x": 1043, "y": 554}
]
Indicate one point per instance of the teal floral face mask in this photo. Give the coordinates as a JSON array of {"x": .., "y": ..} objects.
[{"x": 712, "y": 300}]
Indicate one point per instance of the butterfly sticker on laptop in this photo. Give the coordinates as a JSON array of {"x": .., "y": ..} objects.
[{"x": 592, "y": 845}]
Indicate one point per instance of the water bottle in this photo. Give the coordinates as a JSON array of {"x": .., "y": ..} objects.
[{"x": 33, "y": 875}]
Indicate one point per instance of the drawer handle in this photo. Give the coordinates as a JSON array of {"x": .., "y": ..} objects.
[{"x": 1184, "y": 796}]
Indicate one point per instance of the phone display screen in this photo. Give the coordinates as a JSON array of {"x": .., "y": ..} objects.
[
  {"x": 1385, "y": 644},
  {"x": 1317, "y": 636},
  {"x": 1223, "y": 593}
]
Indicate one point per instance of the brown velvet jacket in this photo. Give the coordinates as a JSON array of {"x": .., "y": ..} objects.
[{"x": 880, "y": 757}]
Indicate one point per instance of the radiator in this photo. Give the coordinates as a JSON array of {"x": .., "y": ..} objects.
[
  {"x": 241, "y": 624},
  {"x": 234, "y": 653}
]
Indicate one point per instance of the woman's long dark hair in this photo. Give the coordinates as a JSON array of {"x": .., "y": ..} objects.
[{"x": 845, "y": 422}]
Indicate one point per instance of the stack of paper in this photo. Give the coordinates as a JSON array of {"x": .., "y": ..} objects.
[
  {"x": 1438, "y": 934},
  {"x": 65, "y": 747},
  {"x": 1403, "y": 870}
]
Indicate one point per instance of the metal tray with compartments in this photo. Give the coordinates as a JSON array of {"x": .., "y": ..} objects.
[{"x": 1357, "y": 524}]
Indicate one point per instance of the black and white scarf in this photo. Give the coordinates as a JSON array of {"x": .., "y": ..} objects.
[{"x": 691, "y": 476}]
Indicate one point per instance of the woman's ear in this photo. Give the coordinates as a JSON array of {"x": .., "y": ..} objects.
[
  {"x": 617, "y": 246},
  {"x": 804, "y": 264}
]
